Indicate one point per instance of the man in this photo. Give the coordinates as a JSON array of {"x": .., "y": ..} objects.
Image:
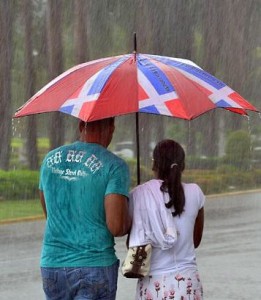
[{"x": 83, "y": 190}]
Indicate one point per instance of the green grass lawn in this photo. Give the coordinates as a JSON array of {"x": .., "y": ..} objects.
[{"x": 15, "y": 209}]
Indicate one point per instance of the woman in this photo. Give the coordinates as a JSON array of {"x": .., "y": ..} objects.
[{"x": 168, "y": 214}]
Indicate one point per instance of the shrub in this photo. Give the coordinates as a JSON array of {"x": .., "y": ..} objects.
[
  {"x": 207, "y": 163},
  {"x": 224, "y": 179},
  {"x": 23, "y": 184},
  {"x": 257, "y": 177},
  {"x": 238, "y": 151},
  {"x": 19, "y": 184},
  {"x": 209, "y": 181}
]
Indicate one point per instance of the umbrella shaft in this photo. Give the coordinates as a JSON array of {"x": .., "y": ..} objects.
[{"x": 138, "y": 148}]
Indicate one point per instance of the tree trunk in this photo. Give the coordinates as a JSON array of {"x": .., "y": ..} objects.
[
  {"x": 55, "y": 60},
  {"x": 144, "y": 18},
  {"x": 212, "y": 33},
  {"x": 6, "y": 8},
  {"x": 184, "y": 40},
  {"x": 31, "y": 141},
  {"x": 80, "y": 44},
  {"x": 237, "y": 49},
  {"x": 80, "y": 31}
]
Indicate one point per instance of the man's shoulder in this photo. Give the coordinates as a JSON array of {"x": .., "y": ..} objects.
[
  {"x": 115, "y": 158},
  {"x": 60, "y": 148}
]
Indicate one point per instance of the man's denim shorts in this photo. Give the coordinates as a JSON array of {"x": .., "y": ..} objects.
[{"x": 91, "y": 283}]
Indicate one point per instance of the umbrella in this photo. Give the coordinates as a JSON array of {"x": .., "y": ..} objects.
[{"x": 134, "y": 83}]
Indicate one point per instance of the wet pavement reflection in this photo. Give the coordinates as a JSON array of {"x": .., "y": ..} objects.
[{"x": 229, "y": 257}]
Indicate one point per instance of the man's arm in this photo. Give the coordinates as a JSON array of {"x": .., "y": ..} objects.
[
  {"x": 43, "y": 203},
  {"x": 117, "y": 214},
  {"x": 198, "y": 227}
]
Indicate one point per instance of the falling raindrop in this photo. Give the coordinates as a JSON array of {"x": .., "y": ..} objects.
[{"x": 187, "y": 29}]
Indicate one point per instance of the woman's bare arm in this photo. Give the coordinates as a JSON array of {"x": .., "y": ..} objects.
[{"x": 198, "y": 227}]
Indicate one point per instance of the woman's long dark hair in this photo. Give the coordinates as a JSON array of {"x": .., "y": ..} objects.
[{"x": 169, "y": 163}]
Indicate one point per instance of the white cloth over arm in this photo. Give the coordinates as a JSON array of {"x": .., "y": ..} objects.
[{"x": 152, "y": 221}]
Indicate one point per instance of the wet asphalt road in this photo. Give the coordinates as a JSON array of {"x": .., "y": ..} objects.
[{"x": 229, "y": 258}]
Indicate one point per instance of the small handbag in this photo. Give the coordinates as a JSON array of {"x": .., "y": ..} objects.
[{"x": 137, "y": 262}]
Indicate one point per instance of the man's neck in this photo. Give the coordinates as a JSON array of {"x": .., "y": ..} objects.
[{"x": 93, "y": 139}]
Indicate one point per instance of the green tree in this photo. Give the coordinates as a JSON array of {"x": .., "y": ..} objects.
[
  {"x": 212, "y": 39},
  {"x": 237, "y": 49},
  {"x": 55, "y": 65},
  {"x": 80, "y": 31},
  {"x": 238, "y": 150},
  {"x": 6, "y": 25},
  {"x": 31, "y": 141}
]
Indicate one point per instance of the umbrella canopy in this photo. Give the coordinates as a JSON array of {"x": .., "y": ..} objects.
[{"x": 135, "y": 82}]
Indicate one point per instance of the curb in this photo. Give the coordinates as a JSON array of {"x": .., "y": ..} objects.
[
  {"x": 24, "y": 219},
  {"x": 208, "y": 197},
  {"x": 232, "y": 194}
]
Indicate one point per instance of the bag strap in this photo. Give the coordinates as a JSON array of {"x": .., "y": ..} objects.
[{"x": 139, "y": 256}]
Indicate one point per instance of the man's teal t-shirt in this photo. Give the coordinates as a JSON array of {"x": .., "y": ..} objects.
[{"x": 75, "y": 178}]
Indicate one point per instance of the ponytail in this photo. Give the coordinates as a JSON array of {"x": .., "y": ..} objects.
[{"x": 169, "y": 164}]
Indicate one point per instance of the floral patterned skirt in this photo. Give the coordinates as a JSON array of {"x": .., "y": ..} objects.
[{"x": 177, "y": 286}]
